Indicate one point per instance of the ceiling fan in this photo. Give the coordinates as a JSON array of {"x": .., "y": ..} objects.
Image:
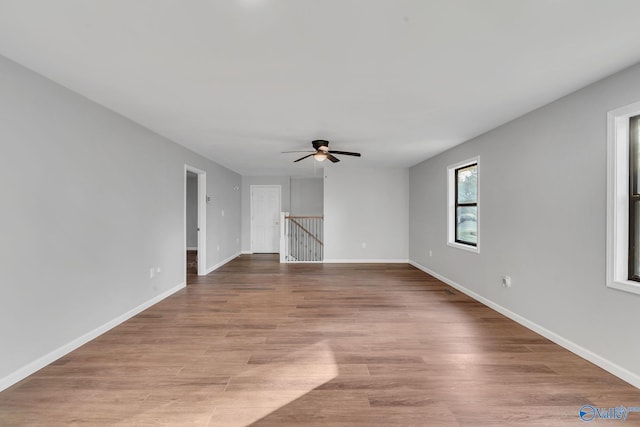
[{"x": 322, "y": 152}]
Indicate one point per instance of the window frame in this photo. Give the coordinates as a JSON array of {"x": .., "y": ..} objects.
[
  {"x": 618, "y": 199},
  {"x": 633, "y": 196},
  {"x": 452, "y": 187},
  {"x": 457, "y": 203}
]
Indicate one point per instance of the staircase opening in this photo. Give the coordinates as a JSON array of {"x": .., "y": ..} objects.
[{"x": 301, "y": 238}]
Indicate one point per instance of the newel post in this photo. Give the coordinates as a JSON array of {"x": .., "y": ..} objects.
[{"x": 283, "y": 237}]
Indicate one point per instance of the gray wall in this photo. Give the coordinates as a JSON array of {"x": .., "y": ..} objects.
[
  {"x": 543, "y": 218},
  {"x": 370, "y": 206},
  {"x": 307, "y": 196},
  {"x": 192, "y": 210},
  {"x": 90, "y": 202}
]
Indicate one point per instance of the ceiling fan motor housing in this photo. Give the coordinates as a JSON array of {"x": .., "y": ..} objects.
[{"x": 320, "y": 144}]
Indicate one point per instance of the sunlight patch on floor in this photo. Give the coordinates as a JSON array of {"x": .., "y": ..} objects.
[{"x": 259, "y": 391}]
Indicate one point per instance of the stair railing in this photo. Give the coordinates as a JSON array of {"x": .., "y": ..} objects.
[{"x": 301, "y": 238}]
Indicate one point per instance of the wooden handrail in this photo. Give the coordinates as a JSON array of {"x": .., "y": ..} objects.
[{"x": 304, "y": 229}]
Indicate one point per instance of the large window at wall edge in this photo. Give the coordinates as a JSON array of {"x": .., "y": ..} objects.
[
  {"x": 623, "y": 199},
  {"x": 463, "y": 208}
]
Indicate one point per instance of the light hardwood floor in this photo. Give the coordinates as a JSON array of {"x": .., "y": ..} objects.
[{"x": 319, "y": 345}]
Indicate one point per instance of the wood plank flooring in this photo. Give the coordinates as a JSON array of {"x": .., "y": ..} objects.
[
  {"x": 192, "y": 263},
  {"x": 265, "y": 344}
]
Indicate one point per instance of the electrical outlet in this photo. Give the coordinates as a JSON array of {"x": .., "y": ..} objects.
[
  {"x": 152, "y": 272},
  {"x": 506, "y": 281},
  {"x": 364, "y": 245},
  {"x": 430, "y": 253}
]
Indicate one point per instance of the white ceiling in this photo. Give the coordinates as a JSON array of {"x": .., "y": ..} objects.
[{"x": 239, "y": 81}]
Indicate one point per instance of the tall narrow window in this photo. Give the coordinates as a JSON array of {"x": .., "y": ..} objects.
[
  {"x": 634, "y": 199},
  {"x": 463, "y": 215},
  {"x": 467, "y": 205}
]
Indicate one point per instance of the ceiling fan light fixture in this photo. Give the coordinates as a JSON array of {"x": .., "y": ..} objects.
[{"x": 319, "y": 156}]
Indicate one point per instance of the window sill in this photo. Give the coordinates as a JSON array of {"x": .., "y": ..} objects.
[
  {"x": 468, "y": 248},
  {"x": 625, "y": 285}
]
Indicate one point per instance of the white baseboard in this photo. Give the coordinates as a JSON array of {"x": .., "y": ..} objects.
[
  {"x": 592, "y": 357},
  {"x": 192, "y": 248},
  {"x": 56, "y": 354},
  {"x": 246, "y": 253},
  {"x": 223, "y": 262},
  {"x": 301, "y": 262},
  {"x": 366, "y": 261}
]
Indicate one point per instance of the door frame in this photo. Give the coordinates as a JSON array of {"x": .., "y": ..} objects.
[
  {"x": 202, "y": 220},
  {"x": 251, "y": 208}
]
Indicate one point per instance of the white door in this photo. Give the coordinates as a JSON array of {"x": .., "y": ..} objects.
[{"x": 265, "y": 218}]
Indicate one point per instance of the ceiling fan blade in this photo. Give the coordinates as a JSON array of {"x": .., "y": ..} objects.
[
  {"x": 346, "y": 153},
  {"x": 304, "y": 157},
  {"x": 305, "y": 151},
  {"x": 332, "y": 158}
]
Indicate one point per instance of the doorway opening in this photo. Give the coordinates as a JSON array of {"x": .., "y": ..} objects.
[{"x": 195, "y": 231}]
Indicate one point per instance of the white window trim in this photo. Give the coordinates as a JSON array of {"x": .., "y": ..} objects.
[
  {"x": 618, "y": 198},
  {"x": 451, "y": 206}
]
